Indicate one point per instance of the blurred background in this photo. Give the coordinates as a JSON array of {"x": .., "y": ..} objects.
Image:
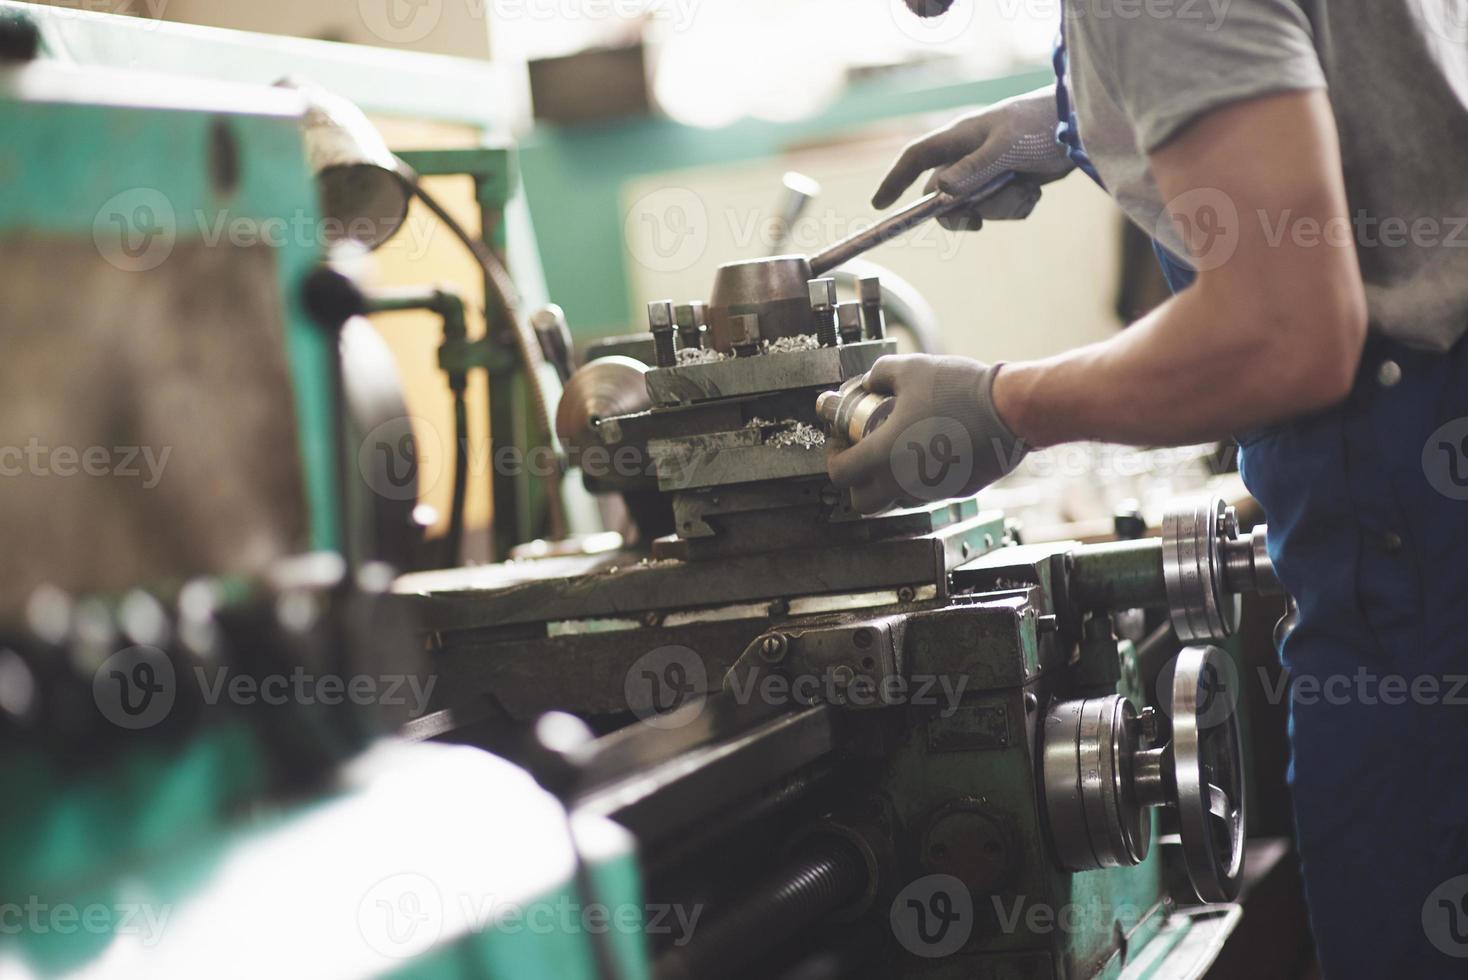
[{"x": 652, "y": 138}]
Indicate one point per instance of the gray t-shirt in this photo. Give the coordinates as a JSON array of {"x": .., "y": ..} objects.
[{"x": 1397, "y": 76}]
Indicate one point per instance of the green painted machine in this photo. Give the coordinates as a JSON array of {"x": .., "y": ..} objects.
[{"x": 771, "y": 738}]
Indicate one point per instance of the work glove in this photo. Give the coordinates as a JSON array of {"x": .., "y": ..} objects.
[
  {"x": 943, "y": 439},
  {"x": 1015, "y": 135}
]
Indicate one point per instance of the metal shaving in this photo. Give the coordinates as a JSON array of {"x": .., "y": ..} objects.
[
  {"x": 795, "y": 434},
  {"x": 700, "y": 355},
  {"x": 788, "y": 345}
]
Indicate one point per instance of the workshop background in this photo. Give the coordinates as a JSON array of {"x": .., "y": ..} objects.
[{"x": 640, "y": 191}]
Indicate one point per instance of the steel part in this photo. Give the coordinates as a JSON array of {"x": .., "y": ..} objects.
[
  {"x": 1117, "y": 575},
  {"x": 1192, "y": 566},
  {"x": 744, "y": 332},
  {"x": 662, "y": 782},
  {"x": 774, "y": 288},
  {"x": 691, "y": 318},
  {"x": 549, "y": 324},
  {"x": 1207, "y": 766},
  {"x": 823, "y": 311},
  {"x": 1247, "y": 566},
  {"x": 797, "y": 191},
  {"x": 827, "y": 875},
  {"x": 606, "y": 388},
  {"x": 924, "y": 209},
  {"x": 664, "y": 332},
  {"x": 870, "y": 290},
  {"x": 822, "y": 367},
  {"x": 848, "y": 322},
  {"x": 622, "y": 583},
  {"x": 852, "y": 412},
  {"x": 1087, "y": 753}
]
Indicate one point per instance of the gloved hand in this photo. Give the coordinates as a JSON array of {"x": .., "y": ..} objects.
[
  {"x": 944, "y": 438},
  {"x": 1016, "y": 135}
]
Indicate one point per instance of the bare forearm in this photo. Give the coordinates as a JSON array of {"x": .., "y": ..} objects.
[{"x": 1200, "y": 367}]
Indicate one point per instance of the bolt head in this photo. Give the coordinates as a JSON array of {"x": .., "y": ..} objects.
[
  {"x": 822, "y": 293},
  {"x": 660, "y": 315}
]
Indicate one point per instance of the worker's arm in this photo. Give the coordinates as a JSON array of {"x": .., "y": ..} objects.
[{"x": 1273, "y": 327}]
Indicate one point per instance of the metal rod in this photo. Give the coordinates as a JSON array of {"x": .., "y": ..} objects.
[{"x": 934, "y": 205}]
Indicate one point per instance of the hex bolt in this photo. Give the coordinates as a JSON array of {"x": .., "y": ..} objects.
[
  {"x": 848, "y": 322},
  {"x": 660, "y": 320},
  {"x": 746, "y": 334},
  {"x": 871, "y": 308},
  {"x": 823, "y": 310},
  {"x": 690, "y": 318}
]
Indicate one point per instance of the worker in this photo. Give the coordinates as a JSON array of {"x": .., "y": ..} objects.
[{"x": 1299, "y": 164}]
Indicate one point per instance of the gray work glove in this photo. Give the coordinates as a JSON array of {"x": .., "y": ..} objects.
[
  {"x": 1016, "y": 135},
  {"x": 944, "y": 438}
]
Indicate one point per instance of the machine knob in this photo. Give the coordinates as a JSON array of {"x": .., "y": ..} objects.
[
  {"x": 852, "y": 412},
  {"x": 1104, "y": 765},
  {"x": 1207, "y": 565}
]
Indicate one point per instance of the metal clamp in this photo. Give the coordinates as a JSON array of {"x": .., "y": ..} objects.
[{"x": 1103, "y": 768}]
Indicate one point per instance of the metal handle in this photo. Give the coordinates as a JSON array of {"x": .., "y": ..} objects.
[{"x": 934, "y": 205}]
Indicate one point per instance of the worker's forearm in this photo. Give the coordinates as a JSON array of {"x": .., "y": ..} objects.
[{"x": 1198, "y": 368}]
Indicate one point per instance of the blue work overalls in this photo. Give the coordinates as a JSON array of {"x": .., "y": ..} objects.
[{"x": 1367, "y": 506}]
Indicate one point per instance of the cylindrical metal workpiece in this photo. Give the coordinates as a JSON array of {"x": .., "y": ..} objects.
[
  {"x": 852, "y": 413},
  {"x": 1119, "y": 575},
  {"x": 660, "y": 322}
]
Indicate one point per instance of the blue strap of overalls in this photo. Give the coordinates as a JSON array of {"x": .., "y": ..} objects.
[{"x": 1179, "y": 274}]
